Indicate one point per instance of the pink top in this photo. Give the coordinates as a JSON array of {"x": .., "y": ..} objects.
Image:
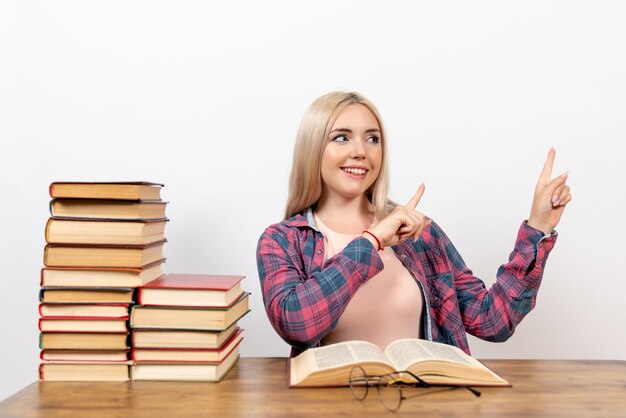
[{"x": 385, "y": 308}]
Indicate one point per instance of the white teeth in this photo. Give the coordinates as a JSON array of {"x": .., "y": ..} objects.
[{"x": 358, "y": 171}]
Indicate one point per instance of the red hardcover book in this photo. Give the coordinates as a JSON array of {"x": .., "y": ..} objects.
[
  {"x": 203, "y": 372},
  {"x": 192, "y": 355},
  {"x": 197, "y": 290}
]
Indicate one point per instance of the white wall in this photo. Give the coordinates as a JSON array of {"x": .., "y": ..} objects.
[{"x": 206, "y": 97}]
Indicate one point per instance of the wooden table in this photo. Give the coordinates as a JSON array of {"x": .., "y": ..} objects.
[{"x": 257, "y": 387}]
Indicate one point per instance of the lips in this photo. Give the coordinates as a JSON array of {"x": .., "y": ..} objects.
[{"x": 355, "y": 171}]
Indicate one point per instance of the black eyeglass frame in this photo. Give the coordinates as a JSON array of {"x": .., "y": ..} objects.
[{"x": 387, "y": 380}]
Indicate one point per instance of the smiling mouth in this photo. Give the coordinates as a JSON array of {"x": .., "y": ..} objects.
[{"x": 357, "y": 171}]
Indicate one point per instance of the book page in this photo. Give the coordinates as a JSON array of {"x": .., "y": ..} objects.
[
  {"x": 342, "y": 354},
  {"x": 406, "y": 352}
]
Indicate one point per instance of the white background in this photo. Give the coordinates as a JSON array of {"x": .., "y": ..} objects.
[{"x": 206, "y": 97}]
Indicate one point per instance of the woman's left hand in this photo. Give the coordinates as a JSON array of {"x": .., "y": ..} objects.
[{"x": 551, "y": 197}]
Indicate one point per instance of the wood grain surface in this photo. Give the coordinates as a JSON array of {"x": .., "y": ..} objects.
[{"x": 258, "y": 387}]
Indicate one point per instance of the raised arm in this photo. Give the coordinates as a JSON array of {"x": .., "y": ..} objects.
[
  {"x": 493, "y": 314},
  {"x": 303, "y": 302}
]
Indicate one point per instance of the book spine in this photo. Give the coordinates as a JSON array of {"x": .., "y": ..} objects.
[
  {"x": 41, "y": 376},
  {"x": 139, "y": 293},
  {"x": 41, "y": 341},
  {"x": 50, "y": 207},
  {"x": 47, "y": 233},
  {"x": 233, "y": 348},
  {"x": 229, "y": 369},
  {"x": 131, "y": 320}
]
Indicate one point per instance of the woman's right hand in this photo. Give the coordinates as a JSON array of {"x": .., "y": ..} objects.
[{"x": 403, "y": 222}]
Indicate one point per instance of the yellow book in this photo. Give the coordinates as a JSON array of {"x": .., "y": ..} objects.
[
  {"x": 83, "y": 341},
  {"x": 139, "y": 190},
  {"x": 132, "y": 256},
  {"x": 109, "y": 209},
  {"x": 172, "y": 338},
  {"x": 189, "y": 318},
  {"x": 104, "y": 231},
  {"x": 84, "y": 372},
  {"x": 105, "y": 277}
]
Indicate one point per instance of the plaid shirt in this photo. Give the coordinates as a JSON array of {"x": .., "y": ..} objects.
[{"x": 305, "y": 297}]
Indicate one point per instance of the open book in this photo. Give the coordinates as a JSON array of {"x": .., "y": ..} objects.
[{"x": 435, "y": 363}]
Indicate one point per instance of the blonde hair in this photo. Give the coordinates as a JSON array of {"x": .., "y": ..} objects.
[{"x": 305, "y": 181}]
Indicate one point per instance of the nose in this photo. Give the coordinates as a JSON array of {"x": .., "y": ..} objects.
[{"x": 358, "y": 149}]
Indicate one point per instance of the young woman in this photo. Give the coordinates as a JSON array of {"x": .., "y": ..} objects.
[{"x": 348, "y": 264}]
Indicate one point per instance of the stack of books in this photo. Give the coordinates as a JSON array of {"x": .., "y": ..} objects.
[
  {"x": 185, "y": 327},
  {"x": 103, "y": 241}
]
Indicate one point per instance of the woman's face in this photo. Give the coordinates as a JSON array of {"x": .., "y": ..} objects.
[{"x": 353, "y": 153}]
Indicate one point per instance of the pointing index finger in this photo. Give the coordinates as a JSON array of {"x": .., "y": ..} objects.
[
  {"x": 546, "y": 173},
  {"x": 416, "y": 199}
]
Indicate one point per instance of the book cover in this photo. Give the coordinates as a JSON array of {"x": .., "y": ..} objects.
[
  {"x": 87, "y": 231},
  {"x": 87, "y": 295},
  {"x": 200, "y": 290},
  {"x": 188, "y": 317},
  {"x": 83, "y": 341},
  {"x": 124, "y": 190},
  {"x": 188, "y": 355},
  {"x": 194, "y": 281},
  {"x": 84, "y": 372},
  {"x": 175, "y": 338},
  {"x": 107, "y": 209},
  {"x": 100, "y": 277},
  {"x": 205, "y": 372},
  {"x": 79, "y": 255}
]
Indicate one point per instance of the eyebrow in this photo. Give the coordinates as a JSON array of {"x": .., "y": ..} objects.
[{"x": 350, "y": 130}]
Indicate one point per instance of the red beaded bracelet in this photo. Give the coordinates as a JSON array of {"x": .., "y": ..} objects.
[{"x": 380, "y": 247}]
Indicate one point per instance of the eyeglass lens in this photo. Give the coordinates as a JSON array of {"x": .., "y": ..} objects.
[
  {"x": 390, "y": 395},
  {"x": 358, "y": 383}
]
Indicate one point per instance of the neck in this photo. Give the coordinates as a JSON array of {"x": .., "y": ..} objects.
[{"x": 347, "y": 216}]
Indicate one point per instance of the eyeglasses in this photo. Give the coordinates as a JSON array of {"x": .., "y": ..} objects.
[{"x": 390, "y": 387}]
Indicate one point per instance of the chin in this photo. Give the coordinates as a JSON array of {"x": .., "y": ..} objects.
[{"x": 353, "y": 194}]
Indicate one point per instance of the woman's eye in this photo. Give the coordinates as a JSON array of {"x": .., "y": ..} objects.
[
  {"x": 373, "y": 139},
  {"x": 340, "y": 138}
]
